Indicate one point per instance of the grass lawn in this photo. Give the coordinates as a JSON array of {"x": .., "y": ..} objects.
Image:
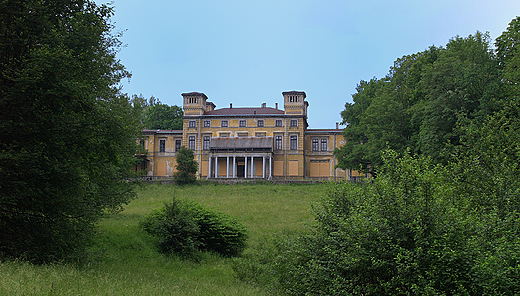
[{"x": 125, "y": 262}]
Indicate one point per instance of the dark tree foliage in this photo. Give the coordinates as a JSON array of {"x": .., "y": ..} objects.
[
  {"x": 186, "y": 167},
  {"x": 463, "y": 81},
  {"x": 508, "y": 53},
  {"x": 419, "y": 102},
  {"x": 161, "y": 116},
  {"x": 67, "y": 134},
  {"x": 155, "y": 115},
  {"x": 486, "y": 174}
]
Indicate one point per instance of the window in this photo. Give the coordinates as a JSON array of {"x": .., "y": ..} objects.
[
  {"x": 315, "y": 145},
  {"x": 242, "y": 134},
  {"x": 324, "y": 144},
  {"x": 162, "y": 145},
  {"x": 278, "y": 122},
  {"x": 242, "y": 123},
  {"x": 205, "y": 142},
  {"x": 191, "y": 142},
  {"x": 278, "y": 145},
  {"x": 207, "y": 123},
  {"x": 224, "y": 123},
  {"x": 224, "y": 135},
  {"x": 294, "y": 142},
  {"x": 260, "y": 134},
  {"x": 260, "y": 122},
  {"x": 192, "y": 123},
  {"x": 178, "y": 145},
  {"x": 294, "y": 122},
  {"x": 191, "y": 100}
]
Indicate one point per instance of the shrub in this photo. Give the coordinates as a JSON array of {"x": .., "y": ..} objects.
[
  {"x": 188, "y": 228},
  {"x": 175, "y": 230},
  {"x": 218, "y": 232},
  {"x": 403, "y": 233}
]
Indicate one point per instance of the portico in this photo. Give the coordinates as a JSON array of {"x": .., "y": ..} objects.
[{"x": 240, "y": 158}]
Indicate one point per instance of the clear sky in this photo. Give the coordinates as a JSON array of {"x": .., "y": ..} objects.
[{"x": 249, "y": 52}]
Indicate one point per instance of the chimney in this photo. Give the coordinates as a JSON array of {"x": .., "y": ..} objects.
[
  {"x": 276, "y": 105},
  {"x": 230, "y": 105},
  {"x": 337, "y": 125},
  {"x": 263, "y": 105}
]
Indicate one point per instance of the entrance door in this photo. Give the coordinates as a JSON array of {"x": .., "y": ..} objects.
[{"x": 241, "y": 169}]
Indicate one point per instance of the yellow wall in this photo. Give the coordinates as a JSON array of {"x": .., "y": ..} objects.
[
  {"x": 161, "y": 163},
  {"x": 278, "y": 168}
]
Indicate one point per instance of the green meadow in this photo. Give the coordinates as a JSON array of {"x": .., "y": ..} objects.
[{"x": 124, "y": 261}]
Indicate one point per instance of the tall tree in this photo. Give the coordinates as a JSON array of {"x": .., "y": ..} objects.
[
  {"x": 383, "y": 114},
  {"x": 68, "y": 135},
  {"x": 353, "y": 154},
  {"x": 161, "y": 116},
  {"x": 508, "y": 53},
  {"x": 186, "y": 167},
  {"x": 417, "y": 105},
  {"x": 464, "y": 80}
]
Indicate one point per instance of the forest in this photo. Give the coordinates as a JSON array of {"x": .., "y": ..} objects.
[{"x": 427, "y": 98}]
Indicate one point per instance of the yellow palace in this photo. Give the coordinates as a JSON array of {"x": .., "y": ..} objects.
[{"x": 247, "y": 143}]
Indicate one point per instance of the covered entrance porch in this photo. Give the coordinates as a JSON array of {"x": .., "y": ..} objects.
[{"x": 247, "y": 158}]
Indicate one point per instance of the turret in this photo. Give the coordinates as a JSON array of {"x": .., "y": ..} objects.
[
  {"x": 294, "y": 103},
  {"x": 194, "y": 103}
]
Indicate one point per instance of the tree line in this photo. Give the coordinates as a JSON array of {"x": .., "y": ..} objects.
[
  {"x": 153, "y": 114},
  {"x": 427, "y": 95}
]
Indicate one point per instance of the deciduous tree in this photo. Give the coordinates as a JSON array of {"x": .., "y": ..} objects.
[
  {"x": 417, "y": 105},
  {"x": 68, "y": 135},
  {"x": 161, "y": 116},
  {"x": 508, "y": 53}
]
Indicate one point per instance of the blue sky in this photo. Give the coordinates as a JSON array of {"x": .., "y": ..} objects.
[{"x": 249, "y": 52}]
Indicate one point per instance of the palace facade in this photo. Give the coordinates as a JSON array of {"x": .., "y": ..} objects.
[{"x": 247, "y": 143}]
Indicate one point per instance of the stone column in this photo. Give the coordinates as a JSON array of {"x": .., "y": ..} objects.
[
  {"x": 263, "y": 167},
  {"x": 227, "y": 167},
  {"x": 234, "y": 166},
  {"x": 216, "y": 167},
  {"x": 252, "y": 166},
  {"x": 270, "y": 167},
  {"x": 209, "y": 166},
  {"x": 245, "y": 168}
]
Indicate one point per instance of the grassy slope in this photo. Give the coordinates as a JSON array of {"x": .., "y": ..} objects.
[{"x": 124, "y": 261}]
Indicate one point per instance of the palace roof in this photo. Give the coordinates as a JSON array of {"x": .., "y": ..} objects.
[
  {"x": 237, "y": 143},
  {"x": 246, "y": 111}
]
